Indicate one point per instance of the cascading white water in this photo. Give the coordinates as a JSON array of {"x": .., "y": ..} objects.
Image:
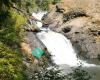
[
  {"x": 39, "y": 17},
  {"x": 59, "y": 46}
]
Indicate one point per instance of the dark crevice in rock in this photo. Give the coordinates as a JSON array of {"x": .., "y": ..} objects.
[
  {"x": 99, "y": 57},
  {"x": 98, "y": 32},
  {"x": 45, "y": 16},
  {"x": 77, "y": 32},
  {"x": 45, "y": 25},
  {"x": 35, "y": 30},
  {"x": 73, "y": 14},
  {"x": 59, "y": 9},
  {"x": 66, "y": 30},
  {"x": 94, "y": 32}
]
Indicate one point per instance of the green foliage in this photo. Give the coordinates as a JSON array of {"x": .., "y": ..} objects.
[
  {"x": 28, "y": 6},
  {"x": 6, "y": 4},
  {"x": 43, "y": 4},
  {"x": 10, "y": 64},
  {"x": 3, "y": 16},
  {"x": 19, "y": 19},
  {"x": 11, "y": 67},
  {"x": 11, "y": 20},
  {"x": 11, "y": 27},
  {"x": 55, "y": 1}
]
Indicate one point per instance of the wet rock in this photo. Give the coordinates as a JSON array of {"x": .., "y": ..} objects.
[{"x": 33, "y": 41}]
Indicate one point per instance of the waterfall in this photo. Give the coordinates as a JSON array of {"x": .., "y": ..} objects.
[
  {"x": 58, "y": 46},
  {"x": 39, "y": 17}
]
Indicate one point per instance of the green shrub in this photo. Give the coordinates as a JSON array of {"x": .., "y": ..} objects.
[
  {"x": 11, "y": 67},
  {"x": 55, "y": 1},
  {"x": 43, "y": 4},
  {"x": 11, "y": 29}
]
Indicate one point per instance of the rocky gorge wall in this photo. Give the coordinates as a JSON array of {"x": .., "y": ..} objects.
[{"x": 80, "y": 22}]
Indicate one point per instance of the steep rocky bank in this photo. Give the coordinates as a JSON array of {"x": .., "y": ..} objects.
[
  {"x": 31, "y": 63},
  {"x": 80, "y": 22}
]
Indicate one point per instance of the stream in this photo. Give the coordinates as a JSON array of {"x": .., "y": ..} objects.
[{"x": 61, "y": 48}]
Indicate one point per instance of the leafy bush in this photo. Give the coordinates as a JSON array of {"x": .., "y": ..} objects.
[
  {"x": 11, "y": 28},
  {"x": 43, "y": 4},
  {"x": 55, "y": 1},
  {"x": 11, "y": 67}
]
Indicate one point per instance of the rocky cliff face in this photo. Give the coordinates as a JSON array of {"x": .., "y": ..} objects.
[{"x": 78, "y": 20}]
